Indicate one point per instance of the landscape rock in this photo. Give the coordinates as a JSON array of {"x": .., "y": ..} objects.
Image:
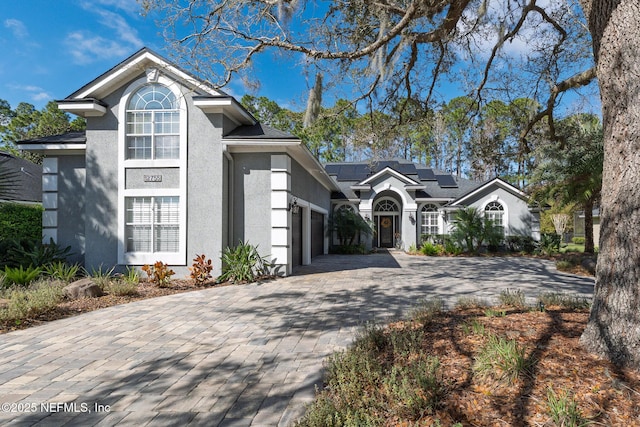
[
  {"x": 4, "y": 303},
  {"x": 83, "y": 288}
]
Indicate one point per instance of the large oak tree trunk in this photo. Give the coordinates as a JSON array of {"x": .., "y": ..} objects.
[
  {"x": 613, "y": 330},
  {"x": 589, "y": 246}
]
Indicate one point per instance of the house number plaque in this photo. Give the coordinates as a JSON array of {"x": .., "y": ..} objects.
[{"x": 153, "y": 178}]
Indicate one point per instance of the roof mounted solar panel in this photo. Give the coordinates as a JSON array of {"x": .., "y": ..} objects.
[
  {"x": 446, "y": 181},
  {"x": 426, "y": 175}
]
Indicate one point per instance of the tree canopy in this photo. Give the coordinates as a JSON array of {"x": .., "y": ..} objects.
[{"x": 388, "y": 50}]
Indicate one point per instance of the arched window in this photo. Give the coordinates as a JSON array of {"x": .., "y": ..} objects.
[
  {"x": 429, "y": 223},
  {"x": 494, "y": 211},
  {"x": 153, "y": 124},
  {"x": 386, "y": 206}
]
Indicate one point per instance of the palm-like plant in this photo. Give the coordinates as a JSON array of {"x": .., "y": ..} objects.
[
  {"x": 572, "y": 174},
  {"x": 473, "y": 229},
  {"x": 348, "y": 225}
]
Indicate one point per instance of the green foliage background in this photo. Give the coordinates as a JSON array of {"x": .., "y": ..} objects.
[{"x": 20, "y": 221}]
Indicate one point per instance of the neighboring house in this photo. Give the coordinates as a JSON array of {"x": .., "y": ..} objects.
[
  {"x": 408, "y": 202},
  {"x": 170, "y": 168},
  {"x": 24, "y": 180},
  {"x": 578, "y": 225}
]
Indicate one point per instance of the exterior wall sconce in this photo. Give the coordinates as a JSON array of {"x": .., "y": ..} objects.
[
  {"x": 412, "y": 218},
  {"x": 293, "y": 206},
  {"x": 366, "y": 217}
]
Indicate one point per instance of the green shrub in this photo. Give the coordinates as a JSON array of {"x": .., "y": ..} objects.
[
  {"x": 27, "y": 252},
  {"x": 564, "y": 265},
  {"x": 549, "y": 243},
  {"x": 502, "y": 359},
  {"x": 28, "y": 302},
  {"x": 159, "y": 273},
  {"x": 524, "y": 244},
  {"x": 466, "y": 303},
  {"x": 20, "y": 276},
  {"x": 201, "y": 269},
  {"x": 578, "y": 240},
  {"x": 121, "y": 287},
  {"x": 415, "y": 388},
  {"x": 564, "y": 410},
  {"x": 19, "y": 221},
  {"x": 512, "y": 298},
  {"x": 571, "y": 302},
  {"x": 426, "y": 310},
  {"x": 243, "y": 264},
  {"x": 62, "y": 271},
  {"x": 131, "y": 276},
  {"x": 430, "y": 249},
  {"x": 101, "y": 277}
]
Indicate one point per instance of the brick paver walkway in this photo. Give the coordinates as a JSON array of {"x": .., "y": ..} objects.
[{"x": 237, "y": 355}]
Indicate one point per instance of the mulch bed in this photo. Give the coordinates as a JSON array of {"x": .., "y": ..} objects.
[{"x": 605, "y": 394}]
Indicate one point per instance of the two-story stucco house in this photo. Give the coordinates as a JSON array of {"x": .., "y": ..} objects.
[{"x": 169, "y": 168}]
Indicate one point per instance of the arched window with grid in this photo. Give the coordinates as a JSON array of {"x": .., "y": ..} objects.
[
  {"x": 494, "y": 211},
  {"x": 153, "y": 124},
  {"x": 429, "y": 221}
]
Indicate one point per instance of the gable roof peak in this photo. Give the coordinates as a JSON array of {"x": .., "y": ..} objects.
[{"x": 135, "y": 65}]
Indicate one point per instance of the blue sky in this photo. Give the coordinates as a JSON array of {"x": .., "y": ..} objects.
[{"x": 50, "y": 48}]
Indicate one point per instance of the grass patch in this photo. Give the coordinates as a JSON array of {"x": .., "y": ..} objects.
[
  {"x": 502, "y": 359},
  {"x": 564, "y": 410},
  {"x": 386, "y": 374},
  {"x": 467, "y": 303},
  {"x": 121, "y": 287},
  {"x": 473, "y": 327},
  {"x": 512, "y": 298},
  {"x": 28, "y": 302},
  {"x": 571, "y": 302},
  {"x": 494, "y": 312},
  {"x": 426, "y": 310}
]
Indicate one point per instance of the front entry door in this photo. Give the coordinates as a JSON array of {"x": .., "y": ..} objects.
[{"x": 385, "y": 230}]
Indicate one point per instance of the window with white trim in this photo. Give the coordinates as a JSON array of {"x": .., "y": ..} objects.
[
  {"x": 153, "y": 124},
  {"x": 494, "y": 211},
  {"x": 386, "y": 206},
  {"x": 152, "y": 224},
  {"x": 429, "y": 223}
]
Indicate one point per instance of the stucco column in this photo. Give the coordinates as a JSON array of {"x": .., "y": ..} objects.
[
  {"x": 409, "y": 224},
  {"x": 280, "y": 218}
]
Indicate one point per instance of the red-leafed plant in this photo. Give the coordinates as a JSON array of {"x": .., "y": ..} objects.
[
  {"x": 201, "y": 269},
  {"x": 159, "y": 273}
]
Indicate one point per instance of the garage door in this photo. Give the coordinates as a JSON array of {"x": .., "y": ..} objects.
[
  {"x": 317, "y": 234},
  {"x": 296, "y": 238}
]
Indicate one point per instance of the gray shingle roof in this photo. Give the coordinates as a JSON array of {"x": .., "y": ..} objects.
[
  {"x": 438, "y": 184},
  {"x": 258, "y": 131},
  {"x": 76, "y": 137},
  {"x": 28, "y": 178}
]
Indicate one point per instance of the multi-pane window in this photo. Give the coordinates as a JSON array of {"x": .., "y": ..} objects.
[
  {"x": 494, "y": 211},
  {"x": 152, "y": 224},
  {"x": 386, "y": 206},
  {"x": 153, "y": 124},
  {"x": 429, "y": 224}
]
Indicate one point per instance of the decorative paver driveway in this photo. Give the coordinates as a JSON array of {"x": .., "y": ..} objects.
[{"x": 236, "y": 355}]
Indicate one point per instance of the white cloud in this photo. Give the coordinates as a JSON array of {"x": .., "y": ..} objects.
[
  {"x": 86, "y": 47},
  {"x": 34, "y": 93},
  {"x": 17, "y": 27},
  {"x": 129, "y": 6}
]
